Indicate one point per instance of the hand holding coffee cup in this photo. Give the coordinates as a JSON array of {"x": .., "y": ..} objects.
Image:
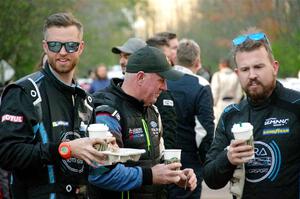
[
  {"x": 241, "y": 149},
  {"x": 172, "y": 155},
  {"x": 100, "y": 131}
]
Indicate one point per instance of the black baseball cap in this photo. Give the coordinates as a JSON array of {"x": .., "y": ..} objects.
[
  {"x": 130, "y": 46},
  {"x": 152, "y": 60}
]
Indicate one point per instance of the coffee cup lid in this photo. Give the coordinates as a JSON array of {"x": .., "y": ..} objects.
[
  {"x": 98, "y": 127},
  {"x": 241, "y": 127}
]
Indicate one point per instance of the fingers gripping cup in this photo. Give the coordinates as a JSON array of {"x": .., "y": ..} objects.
[
  {"x": 99, "y": 131},
  {"x": 244, "y": 131},
  {"x": 172, "y": 155}
]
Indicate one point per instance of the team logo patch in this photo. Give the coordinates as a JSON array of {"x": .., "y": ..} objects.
[
  {"x": 135, "y": 133},
  {"x": 275, "y": 126},
  {"x": 266, "y": 164},
  {"x": 60, "y": 123},
  {"x": 168, "y": 102},
  {"x": 12, "y": 118}
]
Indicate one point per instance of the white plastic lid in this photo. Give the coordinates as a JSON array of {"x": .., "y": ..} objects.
[
  {"x": 241, "y": 127},
  {"x": 98, "y": 127}
]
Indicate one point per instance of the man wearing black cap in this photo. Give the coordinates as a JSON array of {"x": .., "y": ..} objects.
[
  {"x": 126, "y": 106},
  {"x": 129, "y": 47}
]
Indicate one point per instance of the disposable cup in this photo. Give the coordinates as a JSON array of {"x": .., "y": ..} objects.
[
  {"x": 99, "y": 131},
  {"x": 244, "y": 131},
  {"x": 172, "y": 155}
]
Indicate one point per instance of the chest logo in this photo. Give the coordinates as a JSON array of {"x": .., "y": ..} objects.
[
  {"x": 275, "y": 126},
  {"x": 266, "y": 164}
]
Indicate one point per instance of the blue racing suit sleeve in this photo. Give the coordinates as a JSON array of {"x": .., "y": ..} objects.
[
  {"x": 120, "y": 178},
  {"x": 113, "y": 125}
]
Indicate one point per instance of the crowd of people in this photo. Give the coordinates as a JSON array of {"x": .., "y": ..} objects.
[{"x": 161, "y": 103}]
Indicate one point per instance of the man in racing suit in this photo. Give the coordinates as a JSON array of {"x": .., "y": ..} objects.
[
  {"x": 127, "y": 108},
  {"x": 43, "y": 117},
  {"x": 274, "y": 112}
]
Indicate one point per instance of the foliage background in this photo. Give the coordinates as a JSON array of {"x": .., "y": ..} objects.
[{"x": 213, "y": 24}]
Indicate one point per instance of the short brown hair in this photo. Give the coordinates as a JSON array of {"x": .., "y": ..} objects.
[
  {"x": 187, "y": 53},
  {"x": 250, "y": 45},
  {"x": 167, "y": 35},
  {"x": 62, "y": 20},
  {"x": 157, "y": 42}
]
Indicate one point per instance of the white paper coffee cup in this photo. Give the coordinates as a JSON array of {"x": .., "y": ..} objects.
[
  {"x": 172, "y": 155},
  {"x": 99, "y": 131},
  {"x": 244, "y": 131}
]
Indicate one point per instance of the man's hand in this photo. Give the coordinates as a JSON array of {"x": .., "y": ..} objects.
[
  {"x": 188, "y": 179},
  {"x": 238, "y": 150},
  {"x": 83, "y": 148},
  {"x": 166, "y": 173}
]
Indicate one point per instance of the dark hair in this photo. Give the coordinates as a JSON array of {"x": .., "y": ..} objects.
[
  {"x": 167, "y": 35},
  {"x": 250, "y": 45},
  {"x": 157, "y": 42},
  {"x": 62, "y": 20}
]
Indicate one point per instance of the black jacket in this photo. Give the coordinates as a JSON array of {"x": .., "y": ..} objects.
[
  {"x": 139, "y": 128},
  {"x": 29, "y": 141},
  {"x": 274, "y": 173},
  {"x": 166, "y": 107}
]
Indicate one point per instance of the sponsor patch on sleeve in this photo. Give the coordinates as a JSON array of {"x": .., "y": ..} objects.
[
  {"x": 168, "y": 102},
  {"x": 12, "y": 118}
]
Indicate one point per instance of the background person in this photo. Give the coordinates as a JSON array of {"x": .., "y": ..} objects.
[
  {"x": 165, "y": 101},
  {"x": 129, "y": 47},
  {"x": 274, "y": 111},
  {"x": 101, "y": 80},
  {"x": 193, "y": 99},
  {"x": 42, "y": 135},
  {"x": 172, "y": 42},
  {"x": 226, "y": 88}
]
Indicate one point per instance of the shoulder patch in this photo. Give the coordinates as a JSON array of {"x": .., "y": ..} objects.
[{"x": 168, "y": 102}]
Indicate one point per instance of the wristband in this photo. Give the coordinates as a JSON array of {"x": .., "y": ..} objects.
[{"x": 64, "y": 150}]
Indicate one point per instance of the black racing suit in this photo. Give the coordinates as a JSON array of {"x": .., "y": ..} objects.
[
  {"x": 29, "y": 138},
  {"x": 139, "y": 128},
  {"x": 274, "y": 173}
]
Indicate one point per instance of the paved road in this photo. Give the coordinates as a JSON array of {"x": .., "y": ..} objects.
[{"x": 208, "y": 193}]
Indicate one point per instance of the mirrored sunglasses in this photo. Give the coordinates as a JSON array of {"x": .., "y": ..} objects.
[
  {"x": 55, "y": 46},
  {"x": 254, "y": 36}
]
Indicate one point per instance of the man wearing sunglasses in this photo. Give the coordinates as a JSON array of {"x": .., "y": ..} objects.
[
  {"x": 274, "y": 112},
  {"x": 43, "y": 119}
]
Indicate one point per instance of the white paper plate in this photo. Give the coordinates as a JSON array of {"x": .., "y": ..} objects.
[{"x": 123, "y": 155}]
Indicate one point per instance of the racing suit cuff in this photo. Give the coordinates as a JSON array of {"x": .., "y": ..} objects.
[
  {"x": 53, "y": 148},
  {"x": 147, "y": 176}
]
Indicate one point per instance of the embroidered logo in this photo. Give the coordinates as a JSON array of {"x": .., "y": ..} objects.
[
  {"x": 60, "y": 123},
  {"x": 275, "y": 126},
  {"x": 168, "y": 102},
  {"x": 276, "y": 122},
  {"x": 12, "y": 118}
]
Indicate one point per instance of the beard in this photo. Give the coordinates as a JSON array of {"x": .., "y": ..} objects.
[
  {"x": 262, "y": 92},
  {"x": 62, "y": 68}
]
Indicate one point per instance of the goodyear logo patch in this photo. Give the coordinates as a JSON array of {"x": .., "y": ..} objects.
[{"x": 278, "y": 131}]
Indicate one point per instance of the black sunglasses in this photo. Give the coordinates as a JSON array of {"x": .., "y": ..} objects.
[{"x": 55, "y": 46}]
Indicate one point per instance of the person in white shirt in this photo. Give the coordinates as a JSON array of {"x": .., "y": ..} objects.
[{"x": 225, "y": 87}]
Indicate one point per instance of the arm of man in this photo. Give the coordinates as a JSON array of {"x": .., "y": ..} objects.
[
  {"x": 217, "y": 168},
  {"x": 125, "y": 178},
  {"x": 17, "y": 133},
  {"x": 165, "y": 104},
  {"x": 215, "y": 87},
  {"x": 205, "y": 115}
]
